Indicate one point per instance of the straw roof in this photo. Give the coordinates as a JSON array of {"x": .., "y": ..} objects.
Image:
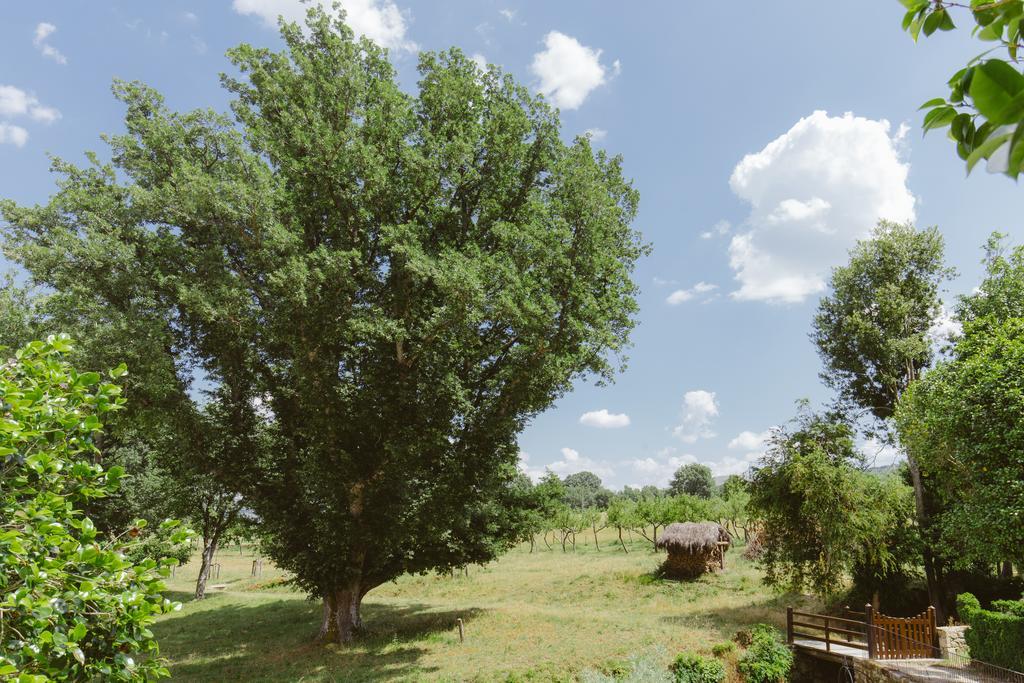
[{"x": 692, "y": 536}]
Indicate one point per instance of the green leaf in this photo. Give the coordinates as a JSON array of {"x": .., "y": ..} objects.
[
  {"x": 984, "y": 150},
  {"x": 995, "y": 89},
  {"x": 938, "y": 118},
  {"x": 934, "y": 102}
]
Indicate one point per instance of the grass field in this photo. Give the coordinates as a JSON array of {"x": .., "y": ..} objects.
[{"x": 544, "y": 616}]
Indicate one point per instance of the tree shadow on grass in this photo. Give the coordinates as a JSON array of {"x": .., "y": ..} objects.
[{"x": 274, "y": 641}]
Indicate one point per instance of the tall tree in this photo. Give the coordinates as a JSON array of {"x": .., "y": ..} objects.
[
  {"x": 983, "y": 109},
  {"x": 397, "y": 283},
  {"x": 693, "y": 479},
  {"x": 963, "y": 420},
  {"x": 582, "y": 489},
  {"x": 872, "y": 333}
]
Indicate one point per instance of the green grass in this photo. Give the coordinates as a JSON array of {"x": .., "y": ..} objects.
[{"x": 544, "y": 616}]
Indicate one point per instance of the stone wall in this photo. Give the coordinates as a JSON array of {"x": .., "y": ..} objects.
[{"x": 952, "y": 642}]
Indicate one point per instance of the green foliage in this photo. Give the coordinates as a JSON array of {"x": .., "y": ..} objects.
[
  {"x": 995, "y": 636},
  {"x": 585, "y": 490},
  {"x": 820, "y": 515},
  {"x": 641, "y": 669},
  {"x": 395, "y": 283},
  {"x": 693, "y": 479},
  {"x": 723, "y": 649},
  {"x": 872, "y": 330},
  {"x": 692, "y": 668},
  {"x": 985, "y": 106},
  {"x": 72, "y": 605},
  {"x": 767, "y": 659},
  {"x": 963, "y": 422}
]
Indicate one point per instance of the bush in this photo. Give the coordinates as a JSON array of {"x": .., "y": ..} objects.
[
  {"x": 72, "y": 606},
  {"x": 723, "y": 649},
  {"x": 642, "y": 669},
  {"x": 692, "y": 668},
  {"x": 995, "y": 636},
  {"x": 767, "y": 660}
]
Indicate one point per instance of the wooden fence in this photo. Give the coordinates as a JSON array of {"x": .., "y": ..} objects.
[{"x": 877, "y": 635}]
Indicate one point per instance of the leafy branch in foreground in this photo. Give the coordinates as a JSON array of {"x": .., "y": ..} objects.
[
  {"x": 72, "y": 606},
  {"x": 984, "y": 110}
]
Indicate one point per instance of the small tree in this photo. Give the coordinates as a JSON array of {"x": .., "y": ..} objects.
[
  {"x": 72, "y": 606},
  {"x": 693, "y": 479},
  {"x": 820, "y": 515},
  {"x": 622, "y": 516}
]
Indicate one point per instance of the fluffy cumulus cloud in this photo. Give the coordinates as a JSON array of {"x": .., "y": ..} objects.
[
  {"x": 43, "y": 31},
  {"x": 659, "y": 470},
  {"x": 812, "y": 192},
  {"x": 379, "y": 20},
  {"x": 16, "y": 103},
  {"x": 13, "y": 135},
  {"x": 700, "y": 408},
  {"x": 602, "y": 419},
  {"x": 750, "y": 447},
  {"x": 683, "y": 295},
  {"x": 573, "y": 462},
  {"x": 568, "y": 70},
  {"x": 596, "y": 134}
]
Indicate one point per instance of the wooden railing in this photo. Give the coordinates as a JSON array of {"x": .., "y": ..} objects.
[{"x": 880, "y": 636}]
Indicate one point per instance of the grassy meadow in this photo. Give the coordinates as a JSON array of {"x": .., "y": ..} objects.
[{"x": 541, "y": 616}]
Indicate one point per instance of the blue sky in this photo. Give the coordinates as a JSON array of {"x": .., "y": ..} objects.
[{"x": 764, "y": 138}]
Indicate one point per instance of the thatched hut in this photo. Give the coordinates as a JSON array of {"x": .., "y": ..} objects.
[{"x": 693, "y": 549}]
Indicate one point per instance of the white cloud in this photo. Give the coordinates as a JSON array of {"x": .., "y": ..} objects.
[
  {"x": 16, "y": 102},
  {"x": 602, "y": 419},
  {"x": 682, "y": 295},
  {"x": 480, "y": 61},
  {"x": 379, "y": 20},
  {"x": 719, "y": 229},
  {"x": 658, "y": 471},
  {"x": 509, "y": 14},
  {"x": 945, "y": 328},
  {"x": 813, "y": 191},
  {"x": 699, "y": 410},
  {"x": 880, "y": 454},
  {"x": 568, "y": 71},
  {"x": 43, "y": 31},
  {"x": 750, "y": 441},
  {"x": 13, "y": 135},
  {"x": 190, "y": 17},
  {"x": 596, "y": 134},
  {"x": 573, "y": 462}
]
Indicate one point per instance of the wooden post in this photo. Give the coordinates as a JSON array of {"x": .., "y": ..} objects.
[
  {"x": 253, "y": 573},
  {"x": 828, "y": 642},
  {"x": 789, "y": 625},
  {"x": 934, "y": 640},
  {"x": 462, "y": 635},
  {"x": 869, "y": 623}
]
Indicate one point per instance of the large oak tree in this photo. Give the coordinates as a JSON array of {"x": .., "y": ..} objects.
[{"x": 394, "y": 284}]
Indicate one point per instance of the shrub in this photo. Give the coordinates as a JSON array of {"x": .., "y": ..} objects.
[
  {"x": 72, "y": 606},
  {"x": 723, "y": 649},
  {"x": 995, "y": 636},
  {"x": 692, "y": 668},
  {"x": 642, "y": 669},
  {"x": 767, "y": 660}
]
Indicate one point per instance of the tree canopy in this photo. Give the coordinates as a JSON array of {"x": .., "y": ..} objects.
[
  {"x": 392, "y": 284},
  {"x": 692, "y": 479}
]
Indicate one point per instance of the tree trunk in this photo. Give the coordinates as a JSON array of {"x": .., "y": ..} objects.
[
  {"x": 1006, "y": 571},
  {"x": 621, "y": 542},
  {"x": 209, "y": 549},
  {"x": 532, "y": 539},
  {"x": 933, "y": 575},
  {"x": 596, "y": 544},
  {"x": 545, "y": 537},
  {"x": 341, "y": 618}
]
